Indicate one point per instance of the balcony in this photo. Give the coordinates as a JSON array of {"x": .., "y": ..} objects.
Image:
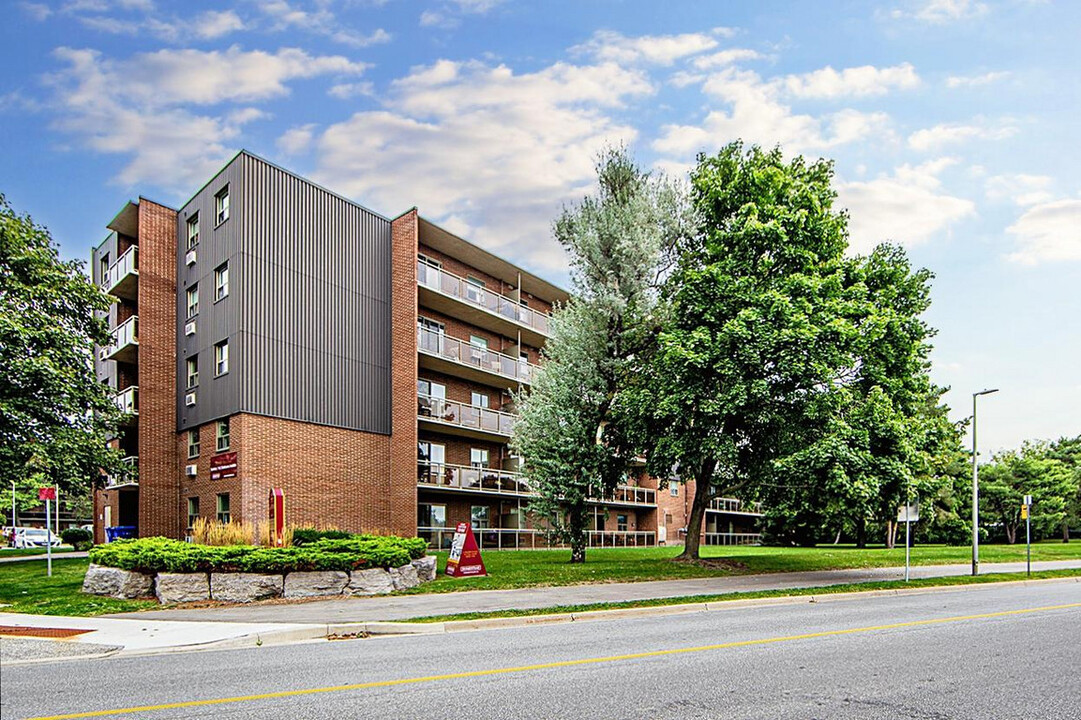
[
  {"x": 443, "y": 476},
  {"x": 129, "y": 477},
  {"x": 122, "y": 279},
  {"x": 732, "y": 506},
  {"x": 128, "y": 402},
  {"x": 125, "y": 344},
  {"x": 733, "y": 538},
  {"x": 456, "y": 418},
  {"x": 458, "y": 358},
  {"x": 529, "y": 539},
  {"x": 457, "y": 297}
]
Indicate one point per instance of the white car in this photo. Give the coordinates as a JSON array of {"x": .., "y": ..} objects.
[{"x": 35, "y": 537}]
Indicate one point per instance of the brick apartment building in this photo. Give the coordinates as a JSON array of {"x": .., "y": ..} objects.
[{"x": 272, "y": 334}]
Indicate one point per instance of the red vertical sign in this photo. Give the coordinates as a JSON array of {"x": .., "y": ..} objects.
[
  {"x": 464, "y": 559},
  {"x": 277, "y": 514}
]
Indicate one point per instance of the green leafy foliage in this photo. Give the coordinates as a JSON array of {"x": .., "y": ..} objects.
[
  {"x": 308, "y": 535},
  {"x": 150, "y": 555},
  {"x": 1032, "y": 470},
  {"x": 78, "y": 538},
  {"x": 55, "y": 417}
]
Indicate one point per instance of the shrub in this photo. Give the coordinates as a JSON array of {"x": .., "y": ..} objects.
[
  {"x": 212, "y": 532},
  {"x": 151, "y": 555},
  {"x": 309, "y": 535},
  {"x": 78, "y": 538}
]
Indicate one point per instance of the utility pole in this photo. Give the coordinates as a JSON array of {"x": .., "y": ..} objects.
[{"x": 976, "y": 488}]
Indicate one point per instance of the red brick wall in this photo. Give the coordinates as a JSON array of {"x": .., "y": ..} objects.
[
  {"x": 158, "y": 479},
  {"x": 401, "y": 488},
  {"x": 457, "y": 267},
  {"x": 461, "y": 390}
]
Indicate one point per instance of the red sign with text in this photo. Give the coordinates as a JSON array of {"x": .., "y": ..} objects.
[
  {"x": 277, "y": 514},
  {"x": 464, "y": 559},
  {"x": 47, "y": 493},
  {"x": 223, "y": 466}
]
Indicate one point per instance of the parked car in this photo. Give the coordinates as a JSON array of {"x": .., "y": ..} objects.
[{"x": 35, "y": 537}]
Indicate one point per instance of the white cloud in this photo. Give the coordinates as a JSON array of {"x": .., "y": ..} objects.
[
  {"x": 940, "y": 12},
  {"x": 476, "y": 6},
  {"x": 433, "y": 18},
  {"x": 491, "y": 152},
  {"x": 721, "y": 58},
  {"x": 1021, "y": 189},
  {"x": 907, "y": 207},
  {"x": 296, "y": 140},
  {"x": 756, "y": 114},
  {"x": 345, "y": 91},
  {"x": 320, "y": 21},
  {"x": 935, "y": 138},
  {"x": 608, "y": 45},
  {"x": 956, "y": 81},
  {"x": 213, "y": 24},
  {"x": 855, "y": 81},
  {"x": 140, "y": 107},
  {"x": 1048, "y": 232},
  {"x": 38, "y": 11}
]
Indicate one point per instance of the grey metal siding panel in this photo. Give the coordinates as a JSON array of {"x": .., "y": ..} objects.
[{"x": 308, "y": 316}]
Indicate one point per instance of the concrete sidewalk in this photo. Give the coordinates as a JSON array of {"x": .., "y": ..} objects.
[
  {"x": 405, "y": 607},
  {"x": 43, "y": 556}
]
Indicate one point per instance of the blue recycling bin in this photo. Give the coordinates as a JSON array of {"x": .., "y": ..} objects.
[{"x": 117, "y": 532}]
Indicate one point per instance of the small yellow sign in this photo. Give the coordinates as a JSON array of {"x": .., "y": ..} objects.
[{"x": 1024, "y": 511}]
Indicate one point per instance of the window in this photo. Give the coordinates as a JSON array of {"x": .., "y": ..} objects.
[
  {"x": 104, "y": 268},
  {"x": 477, "y": 341},
  {"x": 221, "y": 358},
  {"x": 479, "y": 514},
  {"x": 479, "y": 399},
  {"x": 478, "y": 457},
  {"x": 223, "y": 435},
  {"x": 433, "y": 453},
  {"x": 193, "y": 511},
  {"x": 193, "y": 371},
  {"x": 431, "y": 325},
  {"x": 599, "y": 519},
  {"x": 223, "y": 508},
  {"x": 193, "y": 443},
  {"x": 474, "y": 289},
  {"x": 193, "y": 231},
  {"x": 430, "y": 262},
  {"x": 193, "y": 301},
  {"x": 221, "y": 281},
  {"x": 674, "y": 489},
  {"x": 431, "y": 389},
  {"x": 221, "y": 205},
  {"x": 430, "y": 515},
  {"x": 621, "y": 523}
]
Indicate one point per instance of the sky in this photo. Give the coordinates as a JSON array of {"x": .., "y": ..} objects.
[{"x": 953, "y": 125}]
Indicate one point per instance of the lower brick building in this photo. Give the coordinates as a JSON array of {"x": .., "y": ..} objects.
[{"x": 272, "y": 334}]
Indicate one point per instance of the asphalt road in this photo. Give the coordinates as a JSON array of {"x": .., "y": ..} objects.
[{"x": 986, "y": 652}]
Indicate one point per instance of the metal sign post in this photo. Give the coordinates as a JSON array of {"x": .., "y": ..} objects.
[
  {"x": 1026, "y": 512},
  {"x": 48, "y": 494},
  {"x": 908, "y": 514}
]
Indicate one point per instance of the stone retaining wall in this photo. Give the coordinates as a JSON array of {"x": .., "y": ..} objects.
[{"x": 249, "y": 587}]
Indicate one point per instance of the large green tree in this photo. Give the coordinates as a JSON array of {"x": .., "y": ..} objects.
[
  {"x": 1032, "y": 470},
  {"x": 573, "y": 446},
  {"x": 55, "y": 417},
  {"x": 1068, "y": 451},
  {"x": 762, "y": 326}
]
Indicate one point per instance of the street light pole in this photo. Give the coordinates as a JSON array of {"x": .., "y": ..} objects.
[{"x": 976, "y": 488}]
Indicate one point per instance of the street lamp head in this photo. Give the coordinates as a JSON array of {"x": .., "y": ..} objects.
[{"x": 985, "y": 392}]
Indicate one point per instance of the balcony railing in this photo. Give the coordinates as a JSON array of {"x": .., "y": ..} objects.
[
  {"x": 733, "y": 538},
  {"x": 130, "y": 476},
  {"x": 124, "y": 270},
  {"x": 529, "y": 539},
  {"x": 464, "y": 415},
  {"x": 125, "y": 339},
  {"x": 461, "y": 477},
  {"x": 456, "y": 287},
  {"x": 731, "y": 505},
  {"x": 458, "y": 351},
  {"x": 128, "y": 400}
]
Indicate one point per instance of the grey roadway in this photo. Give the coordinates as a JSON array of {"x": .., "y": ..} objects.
[
  {"x": 404, "y": 607},
  {"x": 980, "y": 652}
]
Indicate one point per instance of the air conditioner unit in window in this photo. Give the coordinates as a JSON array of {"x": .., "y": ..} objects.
[
  {"x": 189, "y": 399},
  {"x": 189, "y": 257},
  {"x": 189, "y": 328},
  {"x": 191, "y": 470}
]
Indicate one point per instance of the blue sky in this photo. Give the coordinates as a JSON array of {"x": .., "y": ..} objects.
[{"x": 953, "y": 123}]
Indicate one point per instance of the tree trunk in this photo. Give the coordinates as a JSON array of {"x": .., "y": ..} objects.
[
  {"x": 1011, "y": 534},
  {"x": 861, "y": 532},
  {"x": 577, "y": 528},
  {"x": 1065, "y": 531},
  {"x": 837, "y": 539},
  {"x": 891, "y": 534},
  {"x": 701, "y": 500}
]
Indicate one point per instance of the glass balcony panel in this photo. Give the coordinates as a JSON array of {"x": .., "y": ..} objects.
[{"x": 470, "y": 416}]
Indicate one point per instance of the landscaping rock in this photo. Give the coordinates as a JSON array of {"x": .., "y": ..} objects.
[
  {"x": 315, "y": 584},
  {"x": 425, "y": 568},
  {"x": 373, "y": 581},
  {"x": 404, "y": 577},
  {"x": 182, "y": 587},
  {"x": 244, "y": 587},
  {"x": 117, "y": 583}
]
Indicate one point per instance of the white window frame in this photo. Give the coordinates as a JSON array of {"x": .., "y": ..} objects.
[
  {"x": 194, "y": 445},
  {"x": 222, "y": 440},
  {"x": 221, "y": 358},
  {"x": 193, "y": 237},
  {"x": 481, "y": 520},
  {"x": 221, "y": 281},
  {"x": 221, "y": 205},
  {"x": 192, "y": 366},
  {"x": 479, "y": 399},
  {"x": 193, "y": 504},
  {"x": 223, "y": 516},
  {"x": 192, "y": 297},
  {"x": 479, "y": 458}
]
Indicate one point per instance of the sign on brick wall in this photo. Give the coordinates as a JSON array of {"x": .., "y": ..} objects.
[{"x": 223, "y": 466}]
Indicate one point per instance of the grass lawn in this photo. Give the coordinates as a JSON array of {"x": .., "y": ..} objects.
[
  {"x": 530, "y": 568},
  {"x": 26, "y": 588},
  {"x": 23, "y": 552}
]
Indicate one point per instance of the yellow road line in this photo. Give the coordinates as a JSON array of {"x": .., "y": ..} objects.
[{"x": 545, "y": 666}]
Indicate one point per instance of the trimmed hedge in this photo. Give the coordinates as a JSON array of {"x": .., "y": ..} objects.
[
  {"x": 308, "y": 535},
  {"x": 78, "y": 538},
  {"x": 152, "y": 555}
]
